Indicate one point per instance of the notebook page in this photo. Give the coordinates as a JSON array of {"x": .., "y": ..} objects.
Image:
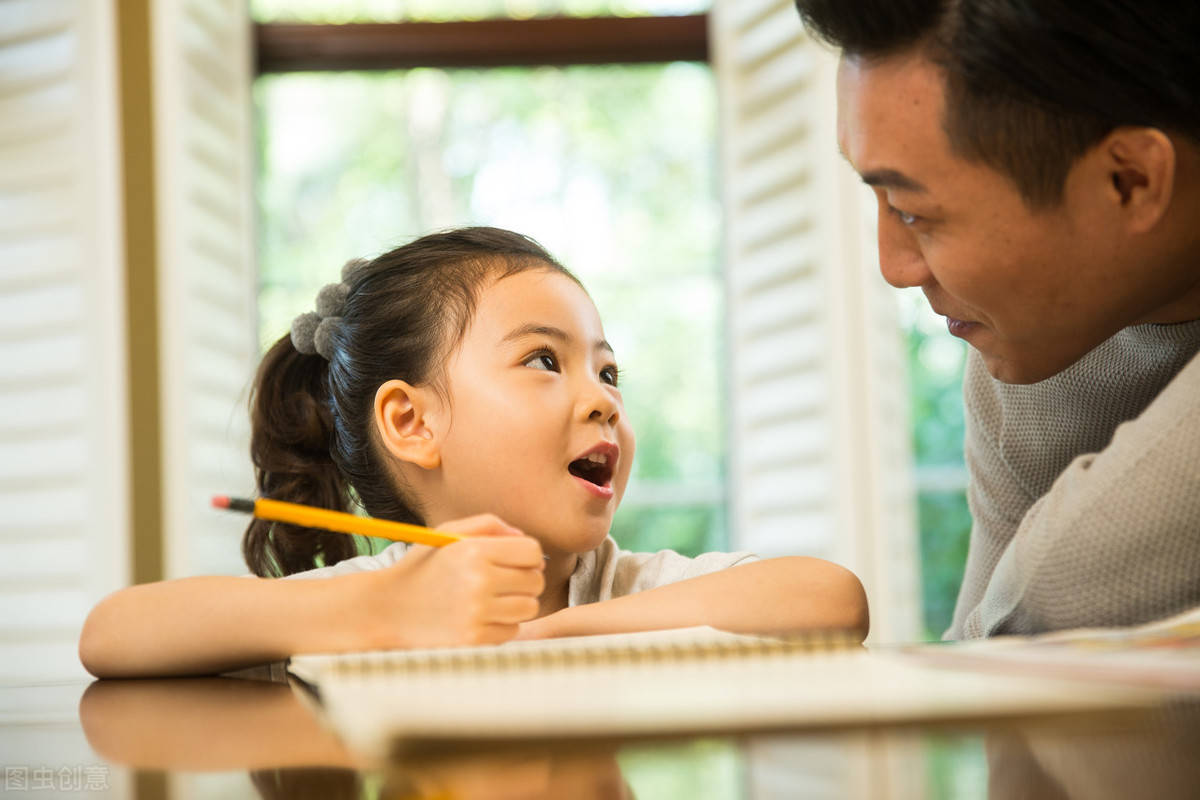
[{"x": 672, "y": 685}]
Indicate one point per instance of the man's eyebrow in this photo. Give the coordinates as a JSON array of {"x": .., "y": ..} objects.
[
  {"x": 892, "y": 179},
  {"x": 534, "y": 329}
]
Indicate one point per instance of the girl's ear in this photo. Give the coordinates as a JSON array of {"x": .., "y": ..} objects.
[{"x": 404, "y": 418}]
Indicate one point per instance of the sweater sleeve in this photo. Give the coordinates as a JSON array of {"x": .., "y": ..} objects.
[
  {"x": 1115, "y": 540},
  {"x": 996, "y": 496}
]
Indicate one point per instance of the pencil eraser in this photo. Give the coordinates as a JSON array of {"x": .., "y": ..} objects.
[{"x": 220, "y": 501}]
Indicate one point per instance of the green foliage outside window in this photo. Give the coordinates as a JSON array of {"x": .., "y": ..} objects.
[
  {"x": 935, "y": 365},
  {"x": 945, "y": 527},
  {"x": 612, "y": 168}
]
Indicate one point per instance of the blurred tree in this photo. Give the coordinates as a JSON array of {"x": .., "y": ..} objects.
[
  {"x": 593, "y": 162},
  {"x": 935, "y": 368}
]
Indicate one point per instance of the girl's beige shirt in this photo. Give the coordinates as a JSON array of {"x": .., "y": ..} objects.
[{"x": 601, "y": 574}]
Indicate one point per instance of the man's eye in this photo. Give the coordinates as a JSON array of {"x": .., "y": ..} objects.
[
  {"x": 542, "y": 360},
  {"x": 905, "y": 218},
  {"x": 610, "y": 375}
]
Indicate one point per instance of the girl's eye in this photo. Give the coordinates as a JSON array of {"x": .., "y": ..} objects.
[
  {"x": 542, "y": 360},
  {"x": 610, "y": 375}
]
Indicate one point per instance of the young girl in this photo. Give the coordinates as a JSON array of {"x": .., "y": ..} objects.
[{"x": 463, "y": 382}]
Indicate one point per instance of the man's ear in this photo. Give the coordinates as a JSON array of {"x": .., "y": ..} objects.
[
  {"x": 405, "y": 418},
  {"x": 1141, "y": 163}
]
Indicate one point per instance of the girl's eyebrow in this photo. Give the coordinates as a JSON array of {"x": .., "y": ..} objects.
[{"x": 534, "y": 329}]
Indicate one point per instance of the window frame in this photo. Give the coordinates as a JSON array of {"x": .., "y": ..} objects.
[{"x": 546, "y": 41}]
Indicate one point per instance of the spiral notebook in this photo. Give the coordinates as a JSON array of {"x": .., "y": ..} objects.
[{"x": 685, "y": 681}]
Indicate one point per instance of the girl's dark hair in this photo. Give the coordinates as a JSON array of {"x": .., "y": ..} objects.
[
  {"x": 1033, "y": 84},
  {"x": 312, "y": 419}
]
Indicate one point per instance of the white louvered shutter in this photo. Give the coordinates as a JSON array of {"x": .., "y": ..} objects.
[
  {"x": 819, "y": 432},
  {"x": 206, "y": 278},
  {"x": 64, "y": 493}
]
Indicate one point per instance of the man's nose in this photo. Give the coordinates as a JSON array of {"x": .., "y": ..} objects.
[{"x": 900, "y": 259}]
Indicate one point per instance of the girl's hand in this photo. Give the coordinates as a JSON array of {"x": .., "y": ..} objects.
[{"x": 477, "y": 591}]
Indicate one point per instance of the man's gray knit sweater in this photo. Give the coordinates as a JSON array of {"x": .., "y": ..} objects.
[{"x": 1085, "y": 489}]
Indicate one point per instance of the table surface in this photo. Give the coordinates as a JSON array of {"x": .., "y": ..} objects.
[{"x": 228, "y": 738}]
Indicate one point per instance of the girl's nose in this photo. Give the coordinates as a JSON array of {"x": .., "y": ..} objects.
[
  {"x": 900, "y": 259},
  {"x": 599, "y": 405}
]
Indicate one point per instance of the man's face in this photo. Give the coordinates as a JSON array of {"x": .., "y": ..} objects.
[{"x": 1032, "y": 291}]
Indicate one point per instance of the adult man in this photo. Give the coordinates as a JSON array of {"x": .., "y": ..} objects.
[{"x": 1037, "y": 169}]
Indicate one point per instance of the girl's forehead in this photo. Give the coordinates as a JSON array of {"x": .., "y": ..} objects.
[{"x": 541, "y": 296}]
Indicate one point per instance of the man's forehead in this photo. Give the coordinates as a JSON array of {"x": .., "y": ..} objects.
[{"x": 889, "y": 112}]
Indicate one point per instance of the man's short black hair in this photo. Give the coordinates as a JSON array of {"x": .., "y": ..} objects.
[{"x": 1032, "y": 84}]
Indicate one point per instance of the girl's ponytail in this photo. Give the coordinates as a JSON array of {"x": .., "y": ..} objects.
[{"x": 291, "y": 433}]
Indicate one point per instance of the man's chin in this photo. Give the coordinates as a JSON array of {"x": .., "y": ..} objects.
[{"x": 1026, "y": 368}]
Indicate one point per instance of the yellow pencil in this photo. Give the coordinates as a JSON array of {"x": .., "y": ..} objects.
[{"x": 310, "y": 517}]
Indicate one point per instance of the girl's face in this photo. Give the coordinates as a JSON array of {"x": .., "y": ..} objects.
[{"x": 536, "y": 431}]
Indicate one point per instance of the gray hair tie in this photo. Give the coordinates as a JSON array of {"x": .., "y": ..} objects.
[{"x": 312, "y": 331}]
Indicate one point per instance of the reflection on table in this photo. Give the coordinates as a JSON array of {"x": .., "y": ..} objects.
[
  {"x": 1158, "y": 757},
  {"x": 228, "y": 737}
]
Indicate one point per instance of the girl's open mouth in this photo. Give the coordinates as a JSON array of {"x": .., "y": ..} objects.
[{"x": 594, "y": 469}]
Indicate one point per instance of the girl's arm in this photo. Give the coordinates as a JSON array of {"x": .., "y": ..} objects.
[
  {"x": 778, "y": 595},
  {"x": 471, "y": 592}
]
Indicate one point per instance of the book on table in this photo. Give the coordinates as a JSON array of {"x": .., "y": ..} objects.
[
  {"x": 686, "y": 681},
  {"x": 1164, "y": 653}
]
